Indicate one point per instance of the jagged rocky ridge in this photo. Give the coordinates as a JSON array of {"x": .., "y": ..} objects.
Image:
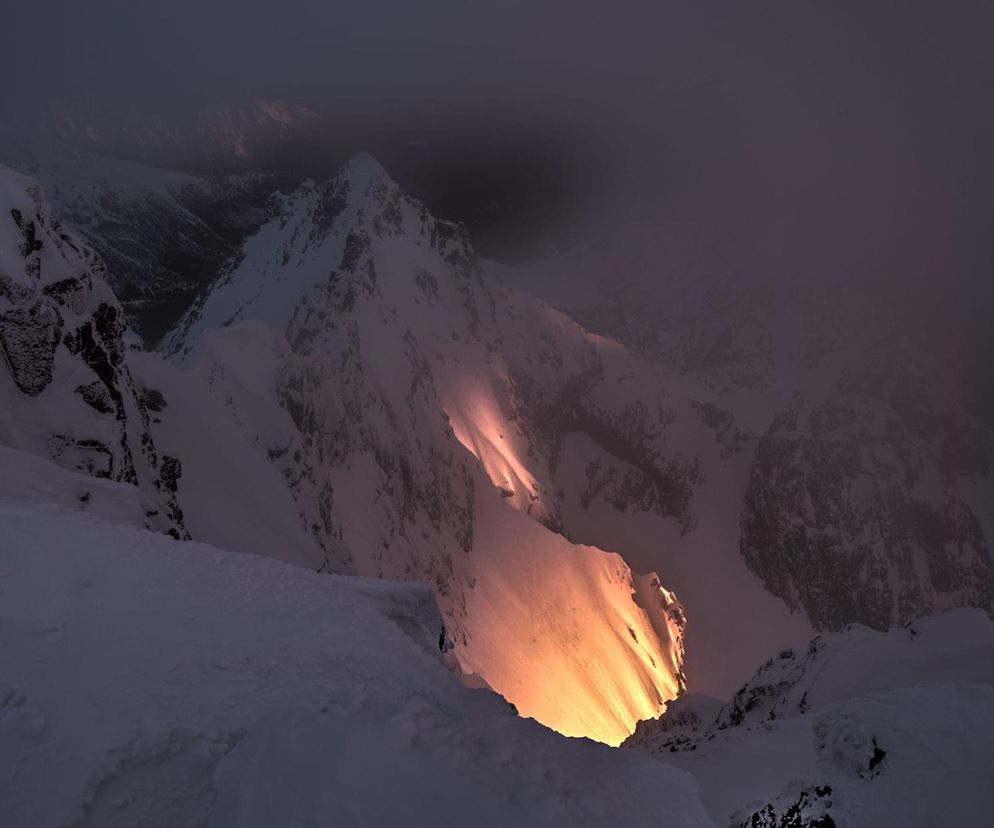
[{"x": 67, "y": 391}]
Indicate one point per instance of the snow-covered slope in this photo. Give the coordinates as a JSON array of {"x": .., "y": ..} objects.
[
  {"x": 66, "y": 391},
  {"x": 860, "y": 728},
  {"x": 157, "y": 683}
]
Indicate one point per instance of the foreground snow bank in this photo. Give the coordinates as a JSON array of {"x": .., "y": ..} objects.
[{"x": 151, "y": 682}]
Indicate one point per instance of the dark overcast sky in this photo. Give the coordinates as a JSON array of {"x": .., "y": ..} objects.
[{"x": 852, "y": 134}]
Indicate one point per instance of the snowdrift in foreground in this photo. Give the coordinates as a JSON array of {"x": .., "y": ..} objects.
[
  {"x": 861, "y": 728},
  {"x": 157, "y": 683}
]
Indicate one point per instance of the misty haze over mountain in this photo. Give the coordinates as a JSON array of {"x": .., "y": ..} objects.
[
  {"x": 829, "y": 143},
  {"x": 631, "y": 360}
]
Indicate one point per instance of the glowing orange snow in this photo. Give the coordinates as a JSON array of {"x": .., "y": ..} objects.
[
  {"x": 480, "y": 425},
  {"x": 566, "y": 632}
]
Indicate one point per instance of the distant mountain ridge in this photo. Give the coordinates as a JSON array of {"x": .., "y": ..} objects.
[
  {"x": 162, "y": 234},
  {"x": 219, "y": 138}
]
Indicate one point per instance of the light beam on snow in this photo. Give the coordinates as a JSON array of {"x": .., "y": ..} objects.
[
  {"x": 481, "y": 426},
  {"x": 566, "y": 632}
]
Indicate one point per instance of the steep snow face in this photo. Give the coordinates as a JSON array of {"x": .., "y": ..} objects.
[
  {"x": 859, "y": 728},
  {"x": 157, "y": 683},
  {"x": 417, "y": 411},
  {"x": 850, "y": 476},
  {"x": 66, "y": 390}
]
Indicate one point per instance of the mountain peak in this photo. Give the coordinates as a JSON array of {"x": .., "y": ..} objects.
[{"x": 363, "y": 170}]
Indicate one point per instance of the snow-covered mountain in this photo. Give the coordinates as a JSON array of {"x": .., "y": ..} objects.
[
  {"x": 857, "y": 477},
  {"x": 858, "y": 728},
  {"x": 387, "y": 338},
  {"x": 358, "y": 393},
  {"x": 400, "y": 392},
  {"x": 361, "y": 348},
  {"x": 66, "y": 389}
]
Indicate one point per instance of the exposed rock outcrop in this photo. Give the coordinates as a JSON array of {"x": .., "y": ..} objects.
[{"x": 67, "y": 391}]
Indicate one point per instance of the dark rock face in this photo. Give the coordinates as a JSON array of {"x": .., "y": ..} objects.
[
  {"x": 811, "y": 809},
  {"x": 29, "y": 337},
  {"x": 95, "y": 395},
  {"x": 853, "y": 510},
  {"x": 170, "y": 473},
  {"x": 683, "y": 722},
  {"x": 61, "y": 334},
  {"x": 721, "y": 422}
]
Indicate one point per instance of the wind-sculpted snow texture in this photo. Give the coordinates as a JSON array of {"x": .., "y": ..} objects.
[
  {"x": 859, "y": 728},
  {"x": 425, "y": 407},
  {"x": 156, "y": 683},
  {"x": 65, "y": 387}
]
